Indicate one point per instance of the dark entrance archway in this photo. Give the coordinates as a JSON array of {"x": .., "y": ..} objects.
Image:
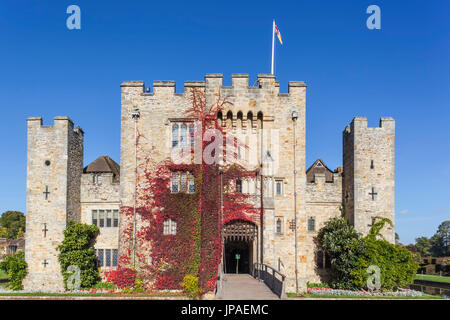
[{"x": 238, "y": 239}]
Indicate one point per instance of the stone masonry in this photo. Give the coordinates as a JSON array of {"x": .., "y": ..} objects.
[{"x": 361, "y": 190}]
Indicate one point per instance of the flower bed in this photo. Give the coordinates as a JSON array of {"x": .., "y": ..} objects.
[{"x": 362, "y": 293}]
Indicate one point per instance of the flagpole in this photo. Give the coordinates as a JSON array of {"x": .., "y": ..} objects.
[{"x": 273, "y": 44}]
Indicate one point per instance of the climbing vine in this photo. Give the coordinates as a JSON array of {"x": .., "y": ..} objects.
[{"x": 193, "y": 254}]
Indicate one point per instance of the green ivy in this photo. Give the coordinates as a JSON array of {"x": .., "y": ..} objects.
[
  {"x": 77, "y": 249},
  {"x": 16, "y": 268}
]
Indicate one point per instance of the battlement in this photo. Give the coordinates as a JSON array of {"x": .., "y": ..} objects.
[
  {"x": 360, "y": 123},
  {"x": 59, "y": 122},
  {"x": 214, "y": 81}
]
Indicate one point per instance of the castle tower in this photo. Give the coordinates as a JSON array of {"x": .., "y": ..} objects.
[
  {"x": 369, "y": 165},
  {"x": 54, "y": 168}
]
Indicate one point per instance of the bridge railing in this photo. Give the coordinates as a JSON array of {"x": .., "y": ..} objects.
[
  {"x": 274, "y": 279},
  {"x": 219, "y": 282}
]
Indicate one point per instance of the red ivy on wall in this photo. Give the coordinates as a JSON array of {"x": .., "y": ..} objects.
[{"x": 196, "y": 248}]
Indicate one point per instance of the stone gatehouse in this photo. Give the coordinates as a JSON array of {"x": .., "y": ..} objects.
[{"x": 60, "y": 189}]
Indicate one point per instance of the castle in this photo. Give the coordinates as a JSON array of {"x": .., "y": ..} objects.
[{"x": 59, "y": 189}]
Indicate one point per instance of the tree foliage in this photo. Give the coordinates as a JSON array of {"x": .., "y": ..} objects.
[
  {"x": 12, "y": 224},
  {"x": 423, "y": 246},
  {"x": 343, "y": 245},
  {"x": 77, "y": 250},
  {"x": 16, "y": 268},
  {"x": 351, "y": 255}
]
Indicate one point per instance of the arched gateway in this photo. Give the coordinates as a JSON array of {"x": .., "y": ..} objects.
[{"x": 240, "y": 246}]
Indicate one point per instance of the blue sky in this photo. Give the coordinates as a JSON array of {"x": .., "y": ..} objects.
[{"x": 402, "y": 70}]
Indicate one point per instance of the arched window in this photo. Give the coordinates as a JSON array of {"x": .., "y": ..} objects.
[
  {"x": 279, "y": 226},
  {"x": 250, "y": 120},
  {"x": 239, "y": 119},
  {"x": 191, "y": 134},
  {"x": 239, "y": 185},
  {"x": 174, "y": 135},
  {"x": 183, "y": 136}
]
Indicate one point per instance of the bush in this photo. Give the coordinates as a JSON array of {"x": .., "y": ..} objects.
[
  {"x": 190, "y": 286},
  {"x": 77, "y": 250},
  {"x": 317, "y": 285},
  {"x": 16, "y": 268},
  {"x": 344, "y": 246},
  {"x": 122, "y": 277},
  {"x": 397, "y": 265}
]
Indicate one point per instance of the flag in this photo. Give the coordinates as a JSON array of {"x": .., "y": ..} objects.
[{"x": 278, "y": 34}]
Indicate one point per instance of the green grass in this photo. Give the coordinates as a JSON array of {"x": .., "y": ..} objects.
[
  {"x": 319, "y": 296},
  {"x": 432, "y": 278}
]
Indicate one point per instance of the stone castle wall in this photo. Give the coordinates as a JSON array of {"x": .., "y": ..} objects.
[
  {"x": 163, "y": 105},
  {"x": 323, "y": 201},
  {"x": 100, "y": 196},
  {"x": 53, "y": 152},
  {"x": 372, "y": 169}
]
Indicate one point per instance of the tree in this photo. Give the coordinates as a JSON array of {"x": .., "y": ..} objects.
[
  {"x": 440, "y": 240},
  {"x": 13, "y": 222},
  {"x": 16, "y": 268},
  {"x": 344, "y": 246},
  {"x": 77, "y": 250},
  {"x": 423, "y": 246}
]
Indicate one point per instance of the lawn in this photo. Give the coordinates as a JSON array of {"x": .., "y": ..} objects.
[{"x": 432, "y": 278}]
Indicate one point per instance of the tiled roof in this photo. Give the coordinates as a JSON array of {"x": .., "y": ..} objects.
[{"x": 103, "y": 164}]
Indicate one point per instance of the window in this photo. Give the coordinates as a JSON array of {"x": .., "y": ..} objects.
[
  {"x": 94, "y": 217},
  {"x": 279, "y": 226},
  {"x": 191, "y": 134},
  {"x": 239, "y": 185},
  {"x": 100, "y": 257},
  {"x": 175, "y": 182},
  {"x": 174, "y": 135},
  {"x": 105, "y": 218},
  {"x": 96, "y": 178},
  {"x": 371, "y": 164},
  {"x": 170, "y": 227},
  {"x": 183, "y": 184},
  {"x": 108, "y": 218},
  {"x": 278, "y": 187},
  {"x": 102, "y": 218},
  {"x": 183, "y": 136},
  {"x": 116, "y": 218},
  {"x": 115, "y": 257},
  {"x": 108, "y": 257},
  {"x": 191, "y": 184},
  {"x": 320, "y": 259},
  {"x": 311, "y": 224}
]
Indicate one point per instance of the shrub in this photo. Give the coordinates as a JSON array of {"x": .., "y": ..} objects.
[
  {"x": 190, "y": 286},
  {"x": 397, "y": 265},
  {"x": 344, "y": 246},
  {"x": 77, "y": 250},
  {"x": 122, "y": 277},
  {"x": 317, "y": 285},
  {"x": 16, "y": 268}
]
